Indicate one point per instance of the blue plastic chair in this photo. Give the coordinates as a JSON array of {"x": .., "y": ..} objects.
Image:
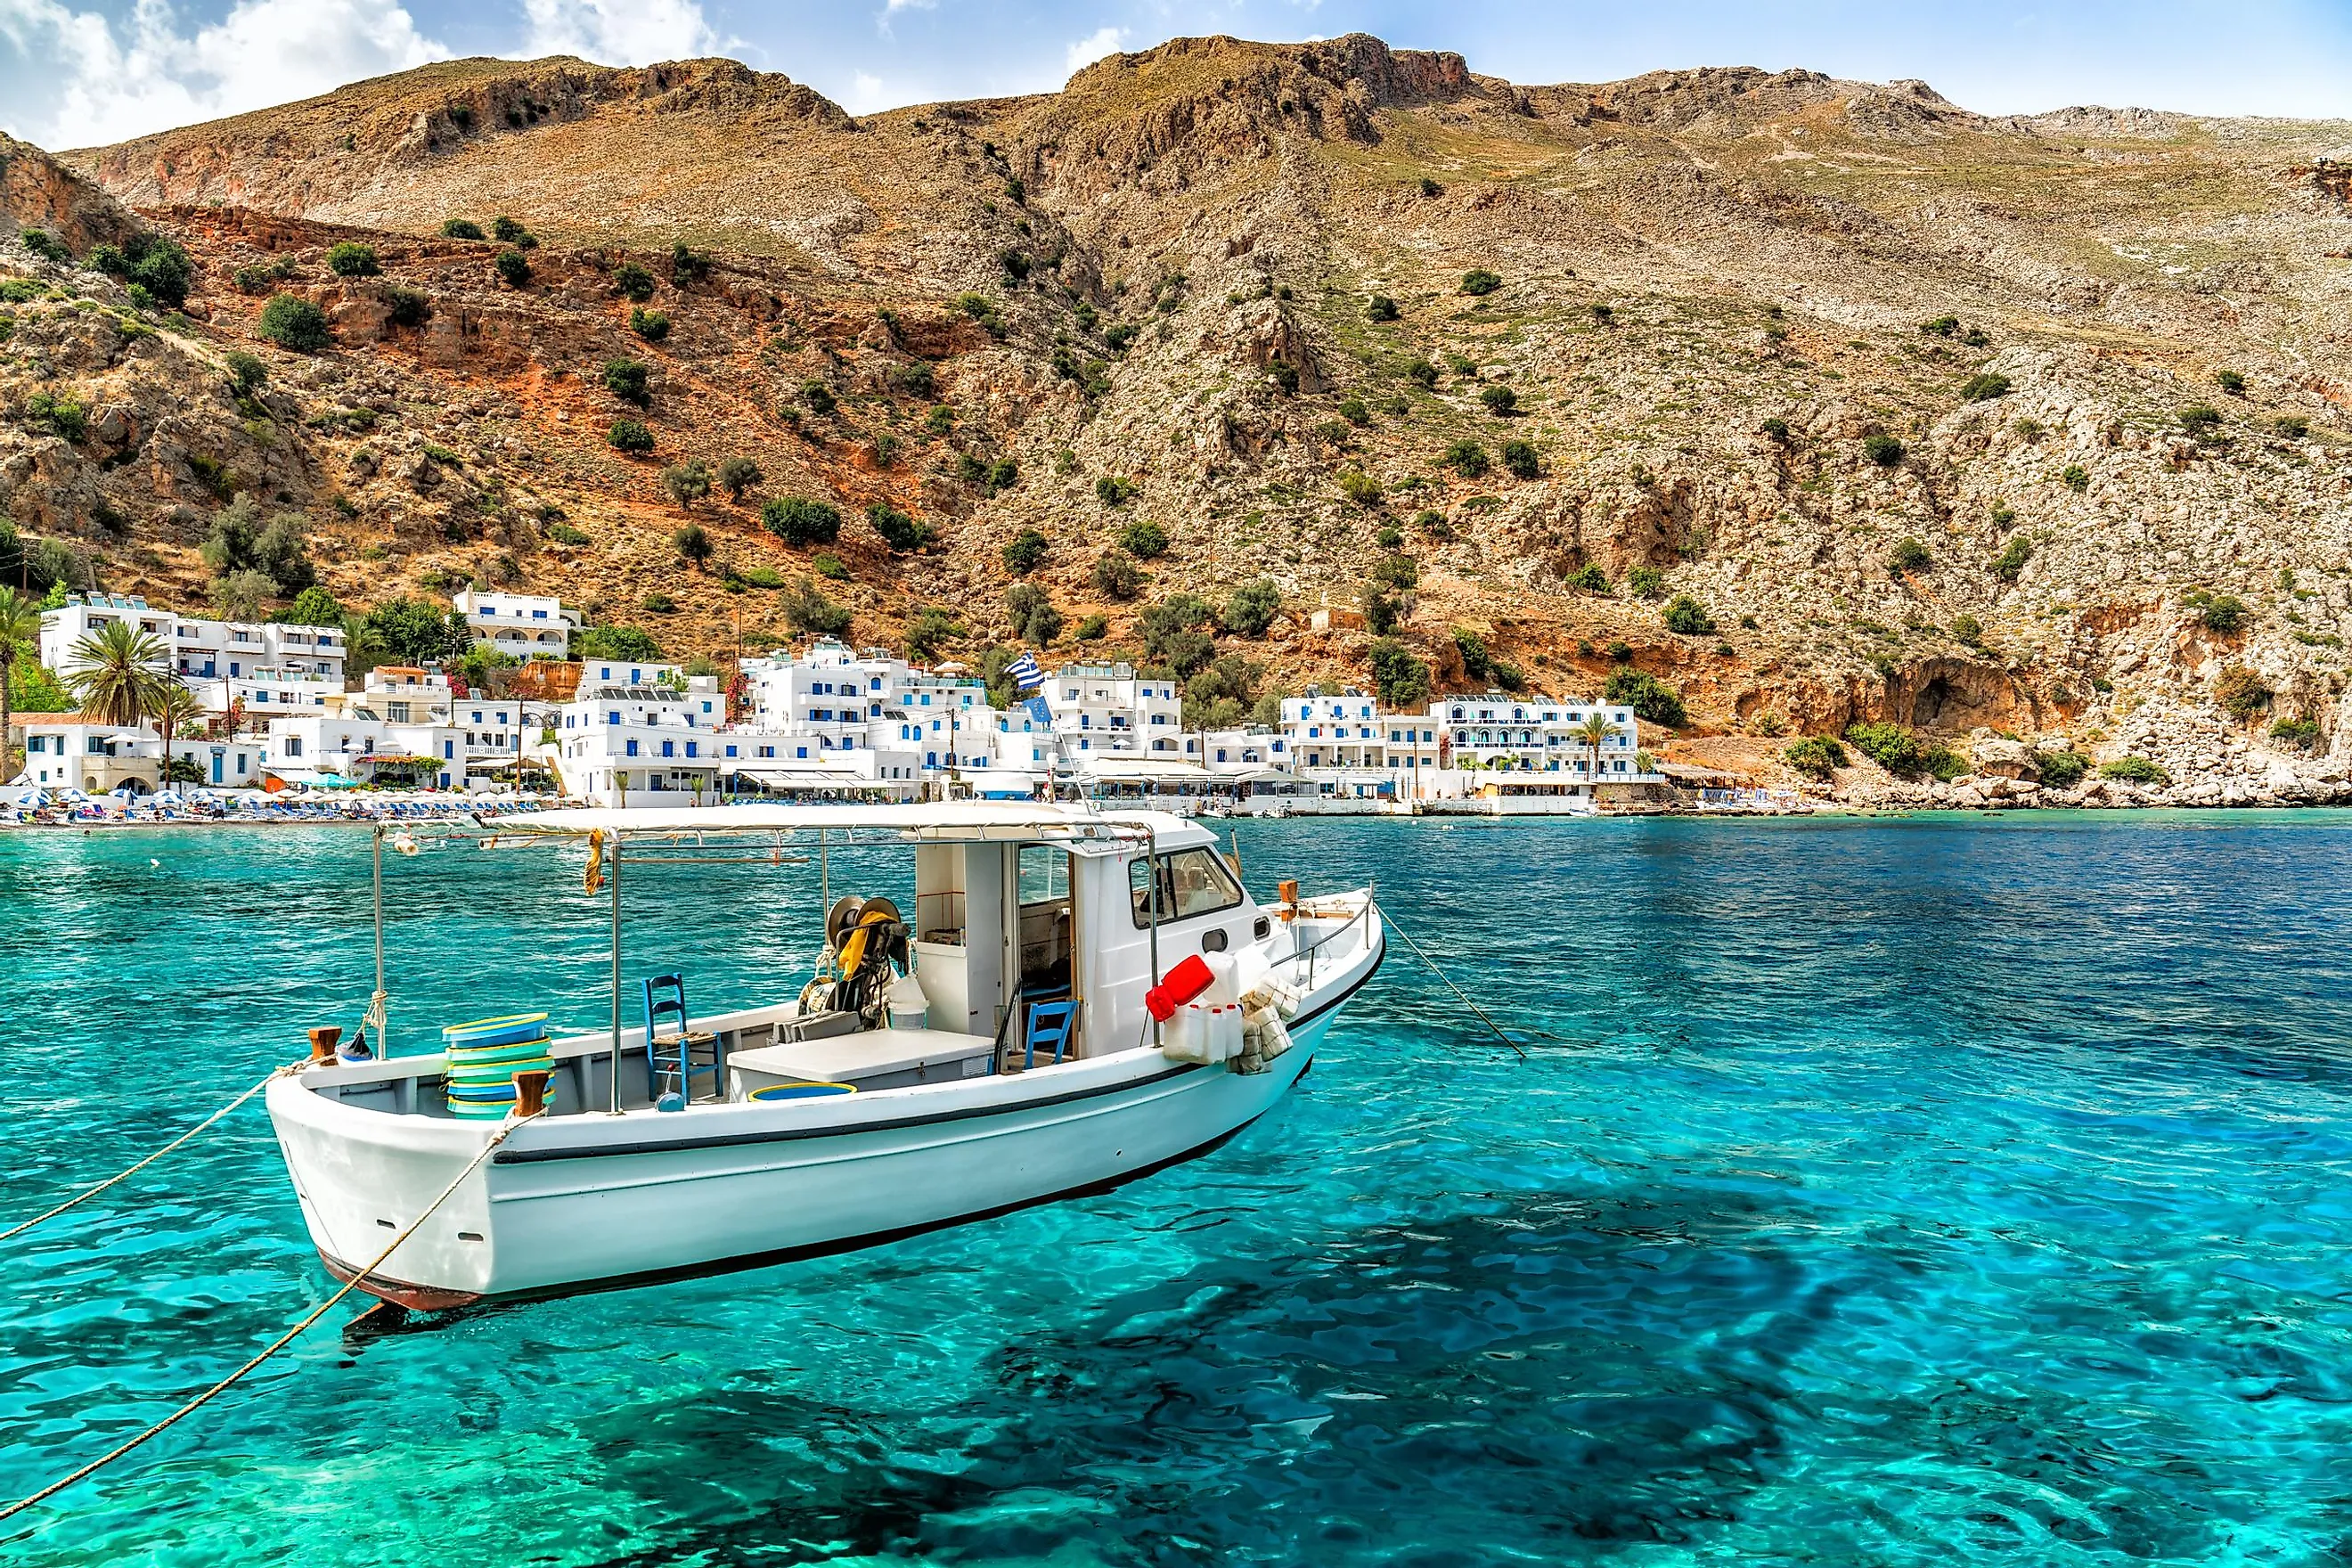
[
  {"x": 1049, "y": 1025},
  {"x": 689, "y": 1042}
]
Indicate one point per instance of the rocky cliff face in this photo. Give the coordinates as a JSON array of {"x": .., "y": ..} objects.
[{"x": 1966, "y": 424}]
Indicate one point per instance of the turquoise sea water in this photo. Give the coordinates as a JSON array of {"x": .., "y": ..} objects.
[{"x": 1930, "y": 1191}]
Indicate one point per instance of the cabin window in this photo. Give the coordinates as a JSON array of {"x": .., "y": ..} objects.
[
  {"x": 1044, "y": 874},
  {"x": 1191, "y": 882}
]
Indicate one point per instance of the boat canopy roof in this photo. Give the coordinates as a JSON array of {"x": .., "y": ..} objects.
[{"x": 950, "y": 821}]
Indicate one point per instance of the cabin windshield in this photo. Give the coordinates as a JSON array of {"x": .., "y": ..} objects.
[
  {"x": 1191, "y": 882},
  {"x": 1045, "y": 935}
]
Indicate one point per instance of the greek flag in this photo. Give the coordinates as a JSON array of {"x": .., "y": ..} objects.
[{"x": 1026, "y": 676}]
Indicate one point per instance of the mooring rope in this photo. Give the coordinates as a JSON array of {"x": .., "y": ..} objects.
[
  {"x": 1391, "y": 922},
  {"x": 93, "y": 1191},
  {"x": 279, "y": 1344}
]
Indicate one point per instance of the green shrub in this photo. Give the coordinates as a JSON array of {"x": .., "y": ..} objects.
[
  {"x": 2294, "y": 426},
  {"x": 929, "y": 629},
  {"x": 1468, "y": 459},
  {"x": 1984, "y": 386},
  {"x": 1942, "y": 326},
  {"x": 633, "y": 282},
  {"x": 1422, "y": 371},
  {"x": 737, "y": 475},
  {"x": 1094, "y": 628},
  {"x": 1399, "y": 680},
  {"x": 1500, "y": 401},
  {"x": 2223, "y": 613},
  {"x": 1353, "y": 411},
  {"x": 2061, "y": 770},
  {"x": 693, "y": 542},
  {"x": 247, "y": 372},
  {"x": 1589, "y": 579},
  {"x": 1646, "y": 583},
  {"x": 658, "y": 603},
  {"x": 406, "y": 307},
  {"x": 1815, "y": 756},
  {"x": 1652, "y": 699},
  {"x": 2241, "y": 692},
  {"x": 628, "y": 435},
  {"x": 508, "y": 231},
  {"x": 514, "y": 267},
  {"x": 800, "y": 521},
  {"x": 1034, "y": 618},
  {"x": 2012, "y": 558},
  {"x": 1359, "y": 486},
  {"x": 1967, "y": 630},
  {"x": 1250, "y": 612},
  {"x": 651, "y": 325},
  {"x": 1397, "y": 569},
  {"x": 628, "y": 380},
  {"x": 352, "y": 259},
  {"x": 1891, "y": 746},
  {"x": 900, "y": 531},
  {"x": 1478, "y": 280},
  {"x": 687, "y": 482},
  {"x": 1144, "y": 539},
  {"x": 1380, "y": 308},
  {"x": 65, "y": 418},
  {"x": 2135, "y": 770},
  {"x": 1433, "y": 524},
  {"x": 2301, "y": 733},
  {"x": 2230, "y": 381},
  {"x": 1687, "y": 617},
  {"x": 1429, "y": 187},
  {"x": 1778, "y": 429},
  {"x": 1908, "y": 557},
  {"x": 461, "y": 228},
  {"x": 1119, "y": 335},
  {"x": 1383, "y": 610},
  {"x": 1285, "y": 375},
  {"x": 1112, "y": 491},
  {"x": 686, "y": 266},
  {"x": 1026, "y": 552},
  {"x": 45, "y": 244},
  {"x": 1116, "y": 576},
  {"x": 1602, "y": 315},
  {"x": 2075, "y": 477},
  {"x": 1519, "y": 457},
  {"x": 1942, "y": 763},
  {"x": 812, "y": 613},
  {"x": 617, "y": 642},
  {"x": 565, "y": 534},
  {"x": 829, "y": 566},
  {"x": 818, "y": 396},
  {"x": 915, "y": 378},
  {"x": 2201, "y": 420},
  {"x": 1883, "y": 449},
  {"x": 293, "y": 322}
]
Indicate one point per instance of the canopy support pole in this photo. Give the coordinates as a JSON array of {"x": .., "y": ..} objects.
[
  {"x": 379, "y": 1003},
  {"x": 1152, "y": 881},
  {"x": 613, "y": 1078}
]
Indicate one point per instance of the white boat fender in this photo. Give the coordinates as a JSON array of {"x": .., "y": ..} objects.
[{"x": 1196, "y": 1032}]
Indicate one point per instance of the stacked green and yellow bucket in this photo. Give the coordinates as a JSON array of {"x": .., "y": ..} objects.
[{"x": 484, "y": 1056}]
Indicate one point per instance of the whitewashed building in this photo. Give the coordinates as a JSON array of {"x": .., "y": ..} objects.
[
  {"x": 76, "y": 751},
  {"x": 1334, "y": 730},
  {"x": 264, "y": 667},
  {"x": 1108, "y": 707},
  {"x": 522, "y": 625},
  {"x": 1535, "y": 734}
]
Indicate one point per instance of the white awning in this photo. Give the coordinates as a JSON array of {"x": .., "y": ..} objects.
[
  {"x": 967, "y": 821},
  {"x": 1141, "y": 770},
  {"x": 817, "y": 778}
]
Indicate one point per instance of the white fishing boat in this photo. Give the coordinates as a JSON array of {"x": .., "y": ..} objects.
[{"x": 1076, "y": 1000}]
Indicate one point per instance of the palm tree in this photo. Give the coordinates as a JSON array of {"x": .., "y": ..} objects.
[
  {"x": 120, "y": 676},
  {"x": 20, "y": 623},
  {"x": 177, "y": 713},
  {"x": 1592, "y": 733}
]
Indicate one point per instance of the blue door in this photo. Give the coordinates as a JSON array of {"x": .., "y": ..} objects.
[{"x": 216, "y": 767}]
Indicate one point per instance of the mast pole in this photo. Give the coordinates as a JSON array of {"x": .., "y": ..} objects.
[
  {"x": 613, "y": 1078},
  {"x": 1152, "y": 881}
]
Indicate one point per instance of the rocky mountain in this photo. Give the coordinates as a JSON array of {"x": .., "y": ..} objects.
[{"x": 1974, "y": 424}]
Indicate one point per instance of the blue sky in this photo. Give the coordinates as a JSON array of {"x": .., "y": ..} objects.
[{"x": 74, "y": 72}]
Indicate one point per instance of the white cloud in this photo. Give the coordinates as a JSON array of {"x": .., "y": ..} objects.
[
  {"x": 80, "y": 79},
  {"x": 866, "y": 95},
  {"x": 619, "y": 32},
  {"x": 1087, "y": 51},
  {"x": 892, "y": 8}
]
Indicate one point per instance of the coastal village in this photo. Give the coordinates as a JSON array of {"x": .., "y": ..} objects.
[{"x": 263, "y": 709}]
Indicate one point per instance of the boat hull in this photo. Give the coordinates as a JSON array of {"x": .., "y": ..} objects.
[{"x": 586, "y": 1202}]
